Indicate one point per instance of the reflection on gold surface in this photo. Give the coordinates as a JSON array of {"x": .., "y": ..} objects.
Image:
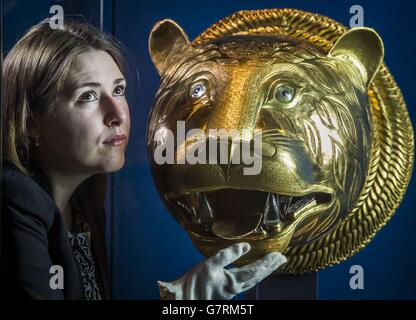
[{"x": 337, "y": 142}]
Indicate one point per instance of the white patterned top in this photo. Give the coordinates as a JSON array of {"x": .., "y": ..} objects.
[{"x": 81, "y": 248}]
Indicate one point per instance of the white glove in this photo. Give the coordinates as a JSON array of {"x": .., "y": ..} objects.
[{"x": 210, "y": 280}]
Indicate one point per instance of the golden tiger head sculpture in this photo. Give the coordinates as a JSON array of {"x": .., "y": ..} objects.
[{"x": 325, "y": 111}]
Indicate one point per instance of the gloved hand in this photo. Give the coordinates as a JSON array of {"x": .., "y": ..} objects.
[{"x": 210, "y": 280}]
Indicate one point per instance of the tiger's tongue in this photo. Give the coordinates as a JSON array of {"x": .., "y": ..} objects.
[{"x": 227, "y": 227}]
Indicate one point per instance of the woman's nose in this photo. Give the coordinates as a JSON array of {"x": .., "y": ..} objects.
[{"x": 115, "y": 111}]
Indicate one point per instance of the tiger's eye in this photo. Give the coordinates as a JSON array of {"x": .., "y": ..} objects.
[
  {"x": 285, "y": 93},
  {"x": 198, "y": 90}
]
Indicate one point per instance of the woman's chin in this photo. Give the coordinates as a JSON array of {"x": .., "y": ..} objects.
[{"x": 113, "y": 165}]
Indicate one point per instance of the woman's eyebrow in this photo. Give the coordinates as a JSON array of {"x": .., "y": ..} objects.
[
  {"x": 88, "y": 84},
  {"x": 97, "y": 84},
  {"x": 119, "y": 80}
]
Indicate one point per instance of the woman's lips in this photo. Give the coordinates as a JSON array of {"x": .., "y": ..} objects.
[{"x": 116, "y": 140}]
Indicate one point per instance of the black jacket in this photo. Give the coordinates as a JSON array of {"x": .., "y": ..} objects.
[{"x": 34, "y": 238}]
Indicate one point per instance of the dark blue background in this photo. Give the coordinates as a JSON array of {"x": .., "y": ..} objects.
[{"x": 145, "y": 243}]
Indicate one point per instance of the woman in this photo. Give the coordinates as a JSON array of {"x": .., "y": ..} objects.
[{"x": 66, "y": 124}]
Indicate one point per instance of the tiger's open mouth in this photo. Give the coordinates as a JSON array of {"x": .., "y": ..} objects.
[{"x": 235, "y": 214}]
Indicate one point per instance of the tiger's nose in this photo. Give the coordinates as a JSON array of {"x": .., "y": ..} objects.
[{"x": 236, "y": 108}]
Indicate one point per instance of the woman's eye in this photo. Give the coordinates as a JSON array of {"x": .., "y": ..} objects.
[
  {"x": 88, "y": 97},
  {"x": 198, "y": 90},
  {"x": 285, "y": 93},
  {"x": 119, "y": 91}
]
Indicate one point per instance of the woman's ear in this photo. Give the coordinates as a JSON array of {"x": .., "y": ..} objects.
[
  {"x": 32, "y": 127},
  {"x": 363, "y": 48},
  {"x": 167, "y": 44}
]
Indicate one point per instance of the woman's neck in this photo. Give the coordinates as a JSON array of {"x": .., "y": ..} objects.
[{"x": 63, "y": 186}]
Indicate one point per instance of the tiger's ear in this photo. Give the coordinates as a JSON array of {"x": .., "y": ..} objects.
[
  {"x": 167, "y": 44},
  {"x": 363, "y": 48}
]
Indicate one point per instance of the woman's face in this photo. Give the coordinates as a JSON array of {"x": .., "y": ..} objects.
[{"x": 88, "y": 131}]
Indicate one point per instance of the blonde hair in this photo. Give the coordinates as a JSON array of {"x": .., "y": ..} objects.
[{"x": 34, "y": 72}]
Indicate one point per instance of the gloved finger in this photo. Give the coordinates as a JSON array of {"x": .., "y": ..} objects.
[
  {"x": 228, "y": 255},
  {"x": 232, "y": 285},
  {"x": 251, "y": 274}
]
